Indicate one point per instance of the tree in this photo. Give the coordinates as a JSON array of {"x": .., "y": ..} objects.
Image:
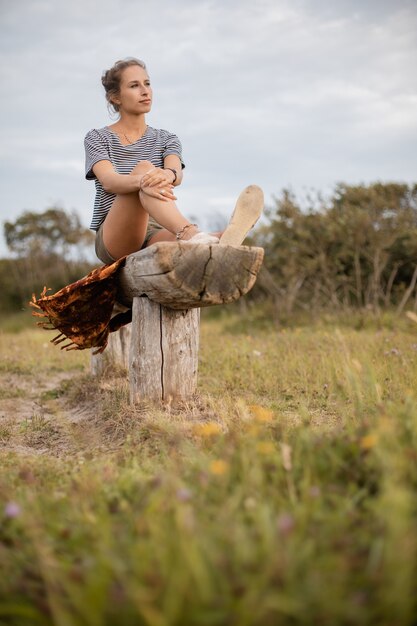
[
  {"x": 52, "y": 232},
  {"x": 48, "y": 248},
  {"x": 379, "y": 225},
  {"x": 358, "y": 248}
]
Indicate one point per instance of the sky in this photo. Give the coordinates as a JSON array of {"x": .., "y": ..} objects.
[{"x": 298, "y": 94}]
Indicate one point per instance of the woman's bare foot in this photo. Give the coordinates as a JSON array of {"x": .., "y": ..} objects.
[
  {"x": 194, "y": 235},
  {"x": 202, "y": 237}
]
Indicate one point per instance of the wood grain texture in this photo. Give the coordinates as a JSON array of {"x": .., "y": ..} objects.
[
  {"x": 145, "y": 370},
  {"x": 182, "y": 276},
  {"x": 166, "y": 284},
  {"x": 116, "y": 354},
  {"x": 163, "y": 353},
  {"x": 180, "y": 332}
]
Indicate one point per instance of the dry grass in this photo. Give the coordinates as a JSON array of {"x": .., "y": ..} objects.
[{"x": 284, "y": 493}]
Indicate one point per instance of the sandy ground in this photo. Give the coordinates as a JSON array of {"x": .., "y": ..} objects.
[{"x": 36, "y": 418}]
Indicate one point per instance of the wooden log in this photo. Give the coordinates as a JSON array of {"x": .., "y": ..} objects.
[
  {"x": 183, "y": 276},
  {"x": 163, "y": 353},
  {"x": 165, "y": 285}
]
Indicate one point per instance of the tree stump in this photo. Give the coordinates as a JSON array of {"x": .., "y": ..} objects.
[
  {"x": 163, "y": 352},
  {"x": 165, "y": 285},
  {"x": 116, "y": 355}
]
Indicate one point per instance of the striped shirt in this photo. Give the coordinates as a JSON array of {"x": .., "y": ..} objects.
[{"x": 101, "y": 144}]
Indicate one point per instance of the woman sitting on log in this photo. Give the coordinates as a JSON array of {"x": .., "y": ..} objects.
[{"x": 135, "y": 168}]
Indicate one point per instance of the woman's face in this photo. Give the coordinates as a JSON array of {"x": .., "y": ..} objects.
[{"x": 135, "y": 94}]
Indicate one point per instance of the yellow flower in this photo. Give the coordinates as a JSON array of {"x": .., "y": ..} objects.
[
  {"x": 218, "y": 467},
  {"x": 261, "y": 414},
  {"x": 251, "y": 429},
  {"x": 209, "y": 429},
  {"x": 368, "y": 442},
  {"x": 265, "y": 447}
]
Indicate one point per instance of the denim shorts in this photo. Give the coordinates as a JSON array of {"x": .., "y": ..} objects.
[{"x": 104, "y": 255}]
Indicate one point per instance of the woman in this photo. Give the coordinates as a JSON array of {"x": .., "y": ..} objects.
[{"x": 135, "y": 168}]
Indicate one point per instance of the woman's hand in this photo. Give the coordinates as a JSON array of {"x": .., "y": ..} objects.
[
  {"x": 156, "y": 177},
  {"x": 163, "y": 192}
]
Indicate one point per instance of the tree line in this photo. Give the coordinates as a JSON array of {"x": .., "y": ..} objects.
[
  {"x": 50, "y": 248},
  {"x": 355, "y": 249}
]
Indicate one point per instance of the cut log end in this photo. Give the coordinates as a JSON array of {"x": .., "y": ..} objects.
[{"x": 184, "y": 276}]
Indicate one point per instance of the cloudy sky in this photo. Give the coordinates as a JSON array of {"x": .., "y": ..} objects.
[{"x": 281, "y": 93}]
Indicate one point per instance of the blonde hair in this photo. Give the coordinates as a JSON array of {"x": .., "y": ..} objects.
[{"x": 111, "y": 79}]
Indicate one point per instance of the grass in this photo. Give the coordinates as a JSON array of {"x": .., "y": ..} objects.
[{"x": 285, "y": 493}]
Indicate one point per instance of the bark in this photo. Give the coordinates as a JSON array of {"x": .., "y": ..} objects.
[
  {"x": 407, "y": 293},
  {"x": 163, "y": 353}
]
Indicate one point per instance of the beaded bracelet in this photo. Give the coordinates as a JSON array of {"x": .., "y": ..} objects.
[{"x": 181, "y": 232}]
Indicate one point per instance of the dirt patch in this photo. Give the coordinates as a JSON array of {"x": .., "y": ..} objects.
[
  {"x": 37, "y": 417},
  {"x": 23, "y": 396}
]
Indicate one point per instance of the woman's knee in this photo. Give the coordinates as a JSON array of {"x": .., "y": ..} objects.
[{"x": 142, "y": 167}]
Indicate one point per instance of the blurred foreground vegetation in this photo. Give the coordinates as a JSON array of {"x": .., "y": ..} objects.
[{"x": 284, "y": 493}]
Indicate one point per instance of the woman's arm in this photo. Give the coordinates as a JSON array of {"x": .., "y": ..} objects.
[
  {"x": 116, "y": 183},
  {"x": 160, "y": 176},
  {"x": 127, "y": 183},
  {"x": 173, "y": 161}
]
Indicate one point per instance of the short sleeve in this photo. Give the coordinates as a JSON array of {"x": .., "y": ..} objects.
[
  {"x": 95, "y": 150},
  {"x": 173, "y": 146}
]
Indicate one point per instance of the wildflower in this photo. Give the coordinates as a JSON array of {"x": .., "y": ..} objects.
[
  {"x": 368, "y": 442},
  {"x": 265, "y": 447},
  {"x": 12, "y": 509},
  {"x": 252, "y": 429},
  {"x": 184, "y": 494},
  {"x": 209, "y": 429},
  {"x": 261, "y": 414},
  {"x": 314, "y": 491},
  {"x": 285, "y": 524},
  {"x": 249, "y": 503},
  {"x": 218, "y": 467},
  {"x": 395, "y": 351}
]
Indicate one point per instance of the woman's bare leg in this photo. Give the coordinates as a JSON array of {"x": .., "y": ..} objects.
[{"x": 124, "y": 228}]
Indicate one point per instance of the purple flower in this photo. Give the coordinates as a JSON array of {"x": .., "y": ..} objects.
[
  {"x": 285, "y": 523},
  {"x": 12, "y": 509},
  {"x": 184, "y": 494}
]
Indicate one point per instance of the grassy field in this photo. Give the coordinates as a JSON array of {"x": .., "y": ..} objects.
[{"x": 285, "y": 493}]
